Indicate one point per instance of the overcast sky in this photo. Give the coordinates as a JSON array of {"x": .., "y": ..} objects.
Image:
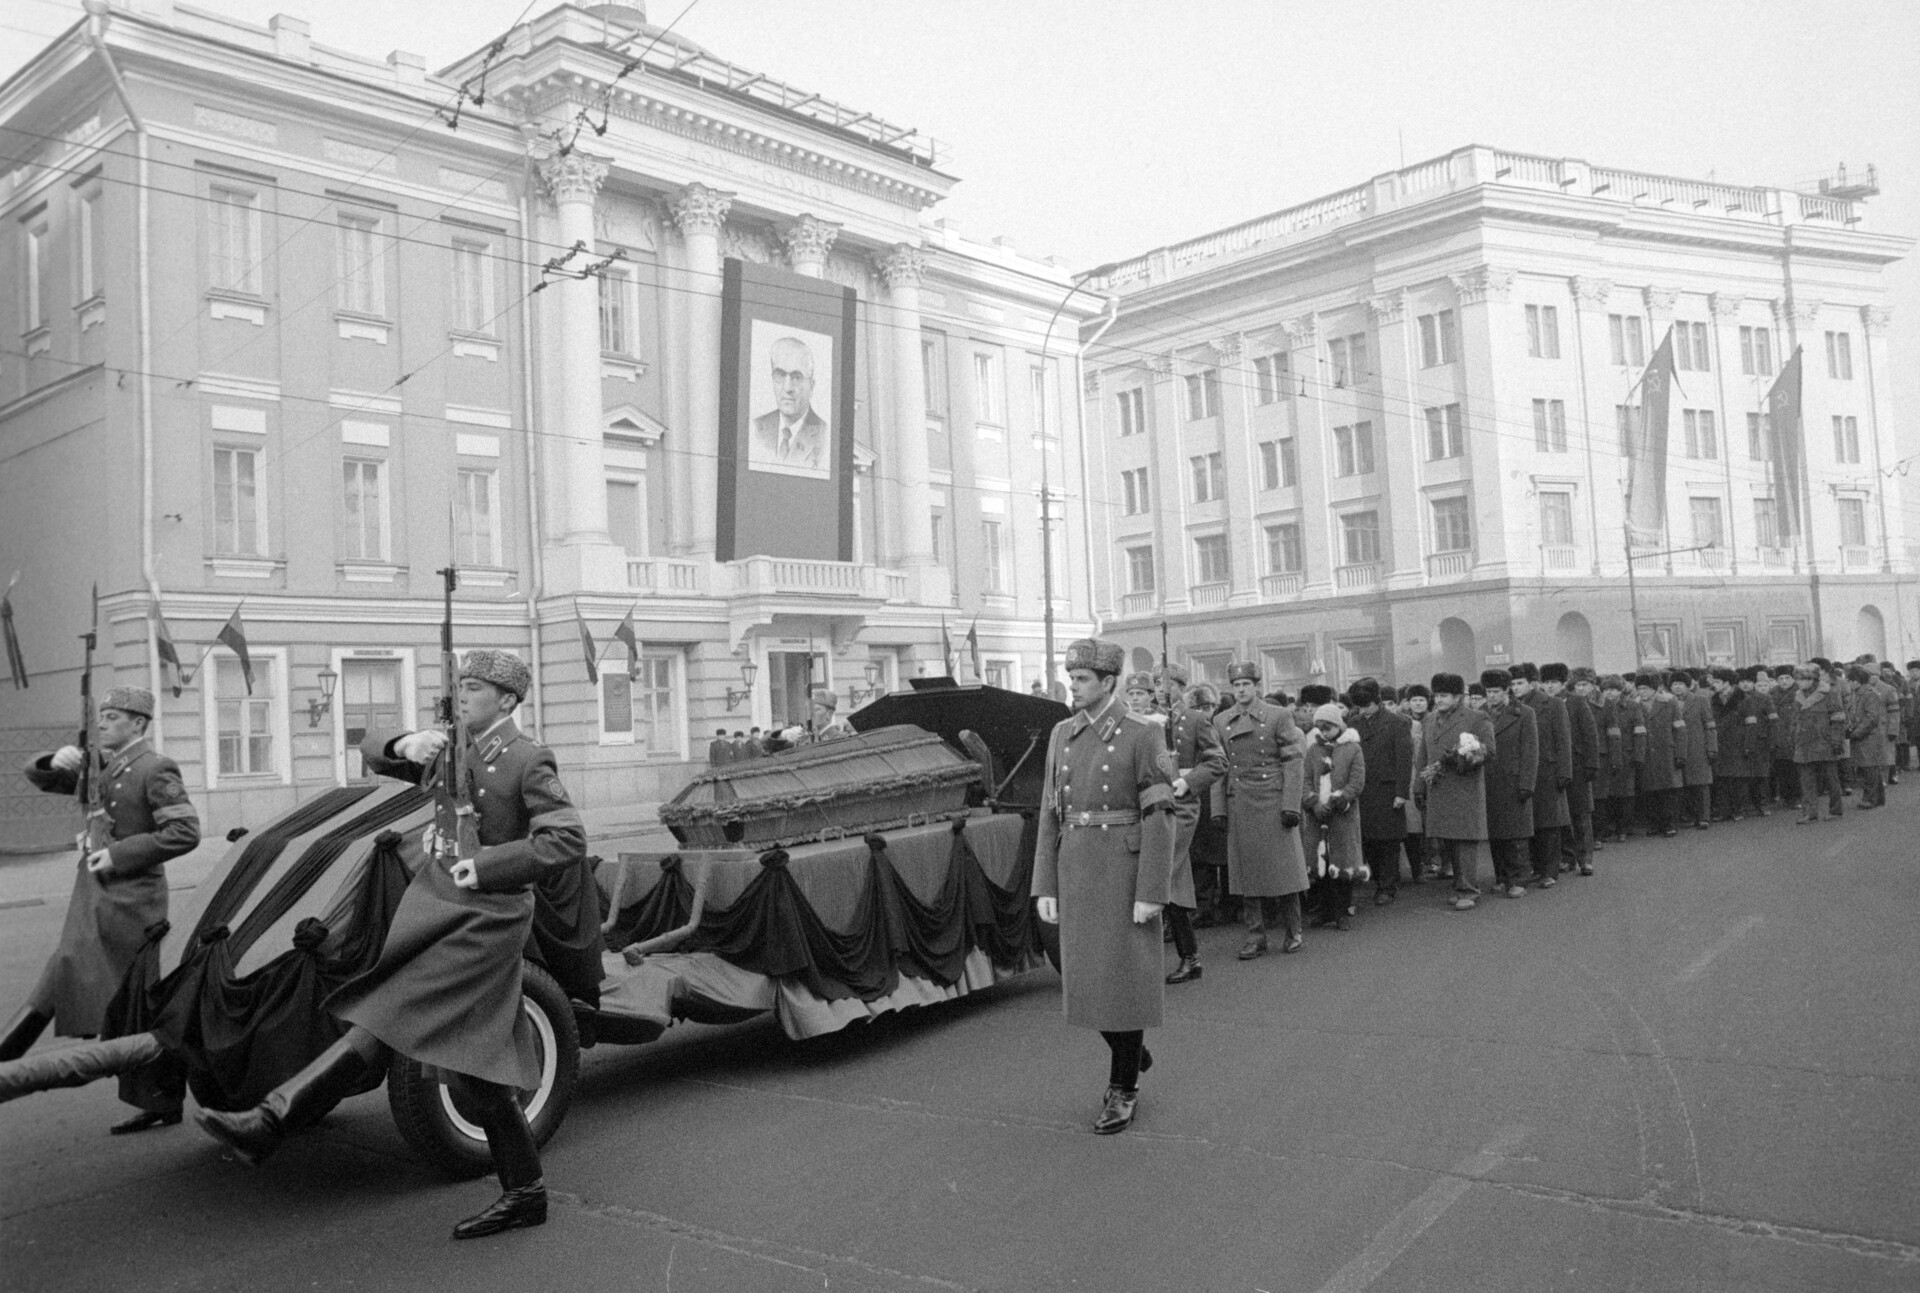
[{"x": 1096, "y": 129}]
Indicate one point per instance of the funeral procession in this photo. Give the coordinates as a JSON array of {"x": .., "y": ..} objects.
[{"x": 597, "y": 662}]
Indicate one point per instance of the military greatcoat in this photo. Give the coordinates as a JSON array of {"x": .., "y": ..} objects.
[
  {"x": 1660, "y": 716},
  {"x": 1584, "y": 732},
  {"x": 1193, "y": 750},
  {"x": 1555, "y": 738},
  {"x": 1264, "y": 748},
  {"x": 446, "y": 990},
  {"x": 1512, "y": 768},
  {"x": 1696, "y": 738},
  {"x": 150, "y": 821},
  {"x": 1106, "y": 842}
]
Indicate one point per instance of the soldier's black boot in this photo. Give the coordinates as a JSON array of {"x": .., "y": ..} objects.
[
  {"x": 1186, "y": 971},
  {"x": 523, "y": 1198},
  {"x": 1117, "y": 1113},
  {"x": 23, "y": 1030},
  {"x": 255, "y": 1133}
]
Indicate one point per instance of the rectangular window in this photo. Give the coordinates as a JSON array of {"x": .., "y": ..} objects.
[
  {"x": 1360, "y": 537},
  {"x": 1203, "y": 395},
  {"x": 1209, "y": 477},
  {"x": 36, "y": 275},
  {"x": 1270, "y": 376},
  {"x": 364, "y": 510},
  {"x": 1446, "y": 433},
  {"x": 1210, "y": 564},
  {"x": 655, "y": 727},
  {"x": 1556, "y": 518},
  {"x": 233, "y": 241},
  {"x": 1452, "y": 528},
  {"x": 1362, "y": 660},
  {"x": 1759, "y": 437},
  {"x": 91, "y": 231},
  {"x": 1543, "y": 331},
  {"x": 1627, "y": 420},
  {"x": 1840, "y": 356},
  {"x": 939, "y": 545},
  {"x": 1279, "y": 464},
  {"x": 616, "y": 312},
  {"x": 358, "y": 266},
  {"x": 476, "y": 520},
  {"x": 1703, "y": 438},
  {"x": 1133, "y": 411},
  {"x": 472, "y": 288},
  {"x": 1044, "y": 423},
  {"x": 244, "y": 724},
  {"x": 1766, "y": 522},
  {"x": 1690, "y": 347},
  {"x": 1140, "y": 570},
  {"x": 237, "y": 526},
  {"x": 1437, "y": 341},
  {"x": 1628, "y": 342},
  {"x": 1550, "y": 426},
  {"x": 626, "y": 519},
  {"x": 1846, "y": 439},
  {"x": 1286, "y": 666},
  {"x": 1133, "y": 486},
  {"x": 1756, "y": 352},
  {"x": 1353, "y": 449},
  {"x": 1853, "y": 522},
  {"x": 993, "y": 547},
  {"x": 1349, "y": 359},
  {"x": 930, "y": 376},
  {"x": 989, "y": 394},
  {"x": 1707, "y": 528},
  {"x": 1283, "y": 549}
]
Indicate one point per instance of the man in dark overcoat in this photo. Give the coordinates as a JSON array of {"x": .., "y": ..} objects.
[
  {"x": 1554, "y": 777},
  {"x": 1196, "y": 763},
  {"x": 1512, "y": 774},
  {"x": 1101, "y": 867},
  {"x": 446, "y": 990},
  {"x": 1265, "y": 866},
  {"x": 1866, "y": 719},
  {"x": 1819, "y": 731},
  {"x": 1758, "y": 718},
  {"x": 1577, "y": 842},
  {"x": 1660, "y": 773},
  {"x": 1456, "y": 743},
  {"x": 1386, "y": 747},
  {"x": 119, "y": 889},
  {"x": 1696, "y": 738}
]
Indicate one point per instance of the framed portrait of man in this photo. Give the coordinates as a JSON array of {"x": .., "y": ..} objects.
[{"x": 786, "y": 415}]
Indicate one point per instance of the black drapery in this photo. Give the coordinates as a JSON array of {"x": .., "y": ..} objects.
[
  {"x": 566, "y": 930},
  {"x": 668, "y": 905}
]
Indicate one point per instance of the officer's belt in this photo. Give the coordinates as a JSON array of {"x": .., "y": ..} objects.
[{"x": 1116, "y": 817}]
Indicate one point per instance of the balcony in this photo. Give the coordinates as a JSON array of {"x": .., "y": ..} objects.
[
  {"x": 1714, "y": 558},
  {"x": 1132, "y": 604},
  {"x": 1352, "y": 579},
  {"x": 1280, "y": 586},
  {"x": 788, "y": 576},
  {"x": 1208, "y": 594},
  {"x": 1855, "y": 556},
  {"x": 1450, "y": 565},
  {"x": 1774, "y": 558},
  {"x": 1559, "y": 557},
  {"x": 667, "y": 576}
]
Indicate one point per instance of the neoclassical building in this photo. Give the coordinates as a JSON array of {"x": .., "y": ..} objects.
[
  {"x": 1384, "y": 432},
  {"x": 297, "y": 327}
]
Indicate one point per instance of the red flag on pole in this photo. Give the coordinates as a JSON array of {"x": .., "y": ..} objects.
[
  {"x": 1789, "y": 457},
  {"x": 973, "y": 647},
  {"x": 587, "y": 649},
  {"x": 16, "y": 663},
  {"x": 1647, "y": 454},
  {"x": 625, "y": 634},
  {"x": 168, "y": 652},
  {"x": 946, "y": 648},
  {"x": 234, "y": 638}
]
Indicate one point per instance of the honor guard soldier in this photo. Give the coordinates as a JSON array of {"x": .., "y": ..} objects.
[
  {"x": 120, "y": 890},
  {"x": 1101, "y": 867},
  {"x": 1197, "y": 763},
  {"x": 1265, "y": 866},
  {"x": 446, "y": 991},
  {"x": 822, "y": 723}
]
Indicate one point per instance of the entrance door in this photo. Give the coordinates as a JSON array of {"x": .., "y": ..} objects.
[
  {"x": 792, "y": 678},
  {"x": 369, "y": 700}
]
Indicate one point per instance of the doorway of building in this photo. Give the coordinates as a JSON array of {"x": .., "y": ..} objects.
[
  {"x": 792, "y": 676},
  {"x": 369, "y": 700}
]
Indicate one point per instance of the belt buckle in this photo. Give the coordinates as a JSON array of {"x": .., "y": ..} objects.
[{"x": 1086, "y": 818}]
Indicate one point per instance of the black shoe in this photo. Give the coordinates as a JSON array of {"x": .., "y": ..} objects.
[
  {"x": 1185, "y": 972},
  {"x": 1344, "y": 924},
  {"x": 146, "y": 1122},
  {"x": 1293, "y": 944},
  {"x": 255, "y": 1133},
  {"x": 1254, "y": 948},
  {"x": 515, "y": 1209},
  {"x": 1117, "y": 1115}
]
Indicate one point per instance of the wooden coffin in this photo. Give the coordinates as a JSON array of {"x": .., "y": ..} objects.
[{"x": 878, "y": 780}]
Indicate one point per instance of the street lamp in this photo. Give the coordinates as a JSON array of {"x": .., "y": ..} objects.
[
  {"x": 861, "y": 695},
  {"x": 1046, "y": 488},
  {"x": 319, "y": 709},
  {"x": 748, "y": 672}
]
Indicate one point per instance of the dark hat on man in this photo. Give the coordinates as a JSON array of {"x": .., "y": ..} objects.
[
  {"x": 1243, "y": 671},
  {"x": 1476, "y": 689},
  {"x": 825, "y": 699},
  {"x": 1413, "y": 689},
  {"x": 1786, "y": 671},
  {"x": 1279, "y": 697},
  {"x": 1823, "y": 662},
  {"x": 503, "y": 669},
  {"x": 1174, "y": 674},
  {"x": 1139, "y": 681},
  {"x": 1528, "y": 670},
  {"x": 1316, "y": 694},
  {"x": 1859, "y": 673},
  {"x": 1096, "y": 654},
  {"x": 130, "y": 700},
  {"x": 1448, "y": 684},
  {"x": 1680, "y": 676},
  {"x": 1913, "y": 664},
  {"x": 1581, "y": 673},
  {"x": 1615, "y": 681},
  {"x": 1725, "y": 675},
  {"x": 1365, "y": 692},
  {"x": 1553, "y": 673},
  {"x": 1491, "y": 678},
  {"x": 1647, "y": 678}
]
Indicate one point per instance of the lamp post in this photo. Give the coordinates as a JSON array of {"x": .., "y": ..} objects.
[
  {"x": 748, "y": 672},
  {"x": 861, "y": 695},
  {"x": 319, "y": 709}
]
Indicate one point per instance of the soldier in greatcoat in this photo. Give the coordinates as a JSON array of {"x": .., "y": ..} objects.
[
  {"x": 1733, "y": 758},
  {"x": 1554, "y": 776},
  {"x": 1265, "y": 866},
  {"x": 1696, "y": 738},
  {"x": 1577, "y": 842},
  {"x": 1758, "y": 719},
  {"x": 1386, "y": 746},
  {"x": 1456, "y": 742},
  {"x": 1195, "y": 764},
  {"x": 119, "y": 891},
  {"x": 1660, "y": 773},
  {"x": 1623, "y": 744},
  {"x": 1512, "y": 774},
  {"x": 1102, "y": 864},
  {"x": 446, "y": 990}
]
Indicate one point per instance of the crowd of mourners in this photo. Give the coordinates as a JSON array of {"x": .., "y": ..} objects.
[{"x": 1310, "y": 800}]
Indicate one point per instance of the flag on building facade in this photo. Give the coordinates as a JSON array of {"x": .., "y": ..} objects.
[
  {"x": 1788, "y": 464},
  {"x": 946, "y": 648},
  {"x": 233, "y": 636},
  {"x": 16, "y": 663},
  {"x": 587, "y": 650},
  {"x": 973, "y": 648},
  {"x": 1647, "y": 452},
  {"x": 626, "y": 634},
  {"x": 169, "y": 654}
]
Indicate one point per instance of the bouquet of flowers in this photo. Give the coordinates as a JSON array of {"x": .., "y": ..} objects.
[{"x": 1466, "y": 756}]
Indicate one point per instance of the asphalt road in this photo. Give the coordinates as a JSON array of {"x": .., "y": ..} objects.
[{"x": 1698, "y": 1070}]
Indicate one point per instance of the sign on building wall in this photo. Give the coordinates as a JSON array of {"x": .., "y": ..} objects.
[{"x": 786, "y": 415}]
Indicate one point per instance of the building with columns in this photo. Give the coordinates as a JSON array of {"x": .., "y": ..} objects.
[
  {"x": 1382, "y": 432},
  {"x": 298, "y": 325}
]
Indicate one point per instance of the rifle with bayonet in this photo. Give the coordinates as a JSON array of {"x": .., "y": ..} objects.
[
  {"x": 95, "y": 834},
  {"x": 456, "y": 826}
]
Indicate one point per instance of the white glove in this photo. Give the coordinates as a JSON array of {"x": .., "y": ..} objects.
[
  {"x": 421, "y": 747},
  {"x": 68, "y": 758},
  {"x": 466, "y": 874},
  {"x": 1179, "y": 787},
  {"x": 1050, "y": 910},
  {"x": 430, "y": 840},
  {"x": 1144, "y": 912},
  {"x": 100, "y": 862}
]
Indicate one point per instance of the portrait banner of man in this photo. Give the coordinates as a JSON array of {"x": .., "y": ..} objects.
[{"x": 786, "y": 415}]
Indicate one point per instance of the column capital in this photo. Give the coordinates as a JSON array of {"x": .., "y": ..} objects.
[
  {"x": 1590, "y": 291},
  {"x": 1875, "y": 318},
  {"x": 1803, "y": 311},
  {"x": 572, "y": 176},
  {"x": 1484, "y": 283},
  {"x": 1388, "y": 307},
  {"x": 700, "y": 209},
  {"x": 1091, "y": 384},
  {"x": 1660, "y": 299},
  {"x": 903, "y": 267},
  {"x": 1725, "y": 305},
  {"x": 1228, "y": 348},
  {"x": 1301, "y": 331},
  {"x": 1160, "y": 364},
  {"x": 808, "y": 240}
]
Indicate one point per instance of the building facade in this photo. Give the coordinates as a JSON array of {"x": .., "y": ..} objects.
[
  {"x": 1385, "y": 432},
  {"x": 298, "y": 327}
]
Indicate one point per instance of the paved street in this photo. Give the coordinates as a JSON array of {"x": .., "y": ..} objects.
[{"x": 1697, "y": 1070}]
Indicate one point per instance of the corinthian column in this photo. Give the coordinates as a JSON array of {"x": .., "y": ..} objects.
[
  {"x": 808, "y": 242},
  {"x": 701, "y": 213},
  {"x": 903, "y": 268}
]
